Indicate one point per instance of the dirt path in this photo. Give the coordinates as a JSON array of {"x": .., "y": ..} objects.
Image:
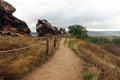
[{"x": 64, "y": 65}]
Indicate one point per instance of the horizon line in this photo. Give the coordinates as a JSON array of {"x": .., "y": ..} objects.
[{"x": 102, "y": 29}]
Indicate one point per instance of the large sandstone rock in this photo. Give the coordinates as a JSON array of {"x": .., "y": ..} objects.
[
  {"x": 44, "y": 27},
  {"x": 9, "y": 23},
  {"x": 8, "y": 8},
  {"x": 62, "y": 31}
]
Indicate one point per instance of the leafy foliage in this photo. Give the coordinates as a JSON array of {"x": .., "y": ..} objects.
[
  {"x": 116, "y": 40},
  {"x": 78, "y": 31},
  {"x": 103, "y": 40},
  {"x": 98, "y": 40}
]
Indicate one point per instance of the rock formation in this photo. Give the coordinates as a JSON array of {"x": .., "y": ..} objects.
[
  {"x": 9, "y": 23},
  {"x": 44, "y": 27},
  {"x": 62, "y": 31}
]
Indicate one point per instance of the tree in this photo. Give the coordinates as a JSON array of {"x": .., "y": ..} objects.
[{"x": 78, "y": 31}]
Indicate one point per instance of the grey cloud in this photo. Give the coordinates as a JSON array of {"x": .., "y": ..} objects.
[{"x": 93, "y": 14}]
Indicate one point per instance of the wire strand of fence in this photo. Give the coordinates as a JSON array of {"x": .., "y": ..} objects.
[
  {"x": 49, "y": 37},
  {"x": 13, "y": 50}
]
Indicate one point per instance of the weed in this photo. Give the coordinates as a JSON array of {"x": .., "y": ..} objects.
[{"x": 88, "y": 76}]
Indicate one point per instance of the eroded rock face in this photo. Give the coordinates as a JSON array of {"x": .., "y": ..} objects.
[
  {"x": 44, "y": 27},
  {"x": 8, "y": 8},
  {"x": 9, "y": 23},
  {"x": 62, "y": 31}
]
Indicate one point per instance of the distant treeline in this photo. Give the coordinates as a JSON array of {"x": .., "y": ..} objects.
[
  {"x": 103, "y": 40},
  {"x": 104, "y": 33}
]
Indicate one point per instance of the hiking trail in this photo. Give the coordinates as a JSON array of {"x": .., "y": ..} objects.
[{"x": 63, "y": 65}]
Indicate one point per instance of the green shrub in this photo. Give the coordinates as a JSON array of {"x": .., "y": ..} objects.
[
  {"x": 116, "y": 40},
  {"x": 88, "y": 76},
  {"x": 98, "y": 40}
]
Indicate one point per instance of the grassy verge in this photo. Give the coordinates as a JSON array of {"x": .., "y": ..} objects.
[
  {"x": 98, "y": 63},
  {"x": 66, "y": 40},
  {"x": 15, "y": 65}
]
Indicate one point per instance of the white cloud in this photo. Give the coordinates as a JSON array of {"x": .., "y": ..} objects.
[{"x": 94, "y": 14}]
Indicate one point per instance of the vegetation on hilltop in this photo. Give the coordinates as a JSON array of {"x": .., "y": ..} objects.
[
  {"x": 78, "y": 31},
  {"x": 100, "y": 55},
  {"x": 116, "y": 40},
  {"x": 104, "y": 39},
  {"x": 98, "y": 40}
]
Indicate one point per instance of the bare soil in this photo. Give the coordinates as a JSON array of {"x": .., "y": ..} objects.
[{"x": 64, "y": 65}]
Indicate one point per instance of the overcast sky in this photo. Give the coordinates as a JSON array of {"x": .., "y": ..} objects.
[{"x": 93, "y": 14}]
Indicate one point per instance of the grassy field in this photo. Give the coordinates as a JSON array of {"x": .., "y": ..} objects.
[
  {"x": 99, "y": 63},
  {"x": 14, "y": 65}
]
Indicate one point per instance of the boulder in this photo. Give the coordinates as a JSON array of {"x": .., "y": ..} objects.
[
  {"x": 10, "y": 23},
  {"x": 62, "y": 31},
  {"x": 44, "y": 27},
  {"x": 8, "y": 8}
]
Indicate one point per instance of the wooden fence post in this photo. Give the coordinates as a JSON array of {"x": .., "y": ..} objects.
[
  {"x": 47, "y": 46},
  {"x": 55, "y": 41}
]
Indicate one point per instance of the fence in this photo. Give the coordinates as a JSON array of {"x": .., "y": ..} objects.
[{"x": 46, "y": 42}]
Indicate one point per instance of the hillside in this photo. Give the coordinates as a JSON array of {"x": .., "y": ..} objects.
[
  {"x": 99, "y": 63},
  {"x": 28, "y": 53}
]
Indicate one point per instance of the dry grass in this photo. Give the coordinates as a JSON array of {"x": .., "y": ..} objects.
[
  {"x": 103, "y": 64},
  {"x": 112, "y": 49},
  {"x": 14, "y": 65},
  {"x": 99, "y": 52}
]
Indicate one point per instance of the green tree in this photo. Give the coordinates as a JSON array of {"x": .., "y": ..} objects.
[{"x": 78, "y": 31}]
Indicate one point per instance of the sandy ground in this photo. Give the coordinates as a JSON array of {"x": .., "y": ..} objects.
[{"x": 64, "y": 65}]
